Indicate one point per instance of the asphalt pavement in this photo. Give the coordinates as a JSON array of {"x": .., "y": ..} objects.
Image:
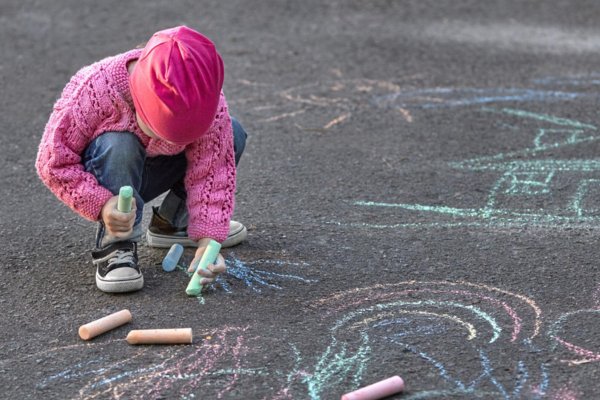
[{"x": 420, "y": 186}]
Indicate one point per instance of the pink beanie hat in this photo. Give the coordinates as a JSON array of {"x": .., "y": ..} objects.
[{"x": 176, "y": 84}]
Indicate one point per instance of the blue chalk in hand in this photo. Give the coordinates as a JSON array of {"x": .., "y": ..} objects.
[{"x": 172, "y": 258}]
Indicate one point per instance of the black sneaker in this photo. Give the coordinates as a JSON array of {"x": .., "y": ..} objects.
[
  {"x": 162, "y": 234},
  {"x": 116, "y": 268}
]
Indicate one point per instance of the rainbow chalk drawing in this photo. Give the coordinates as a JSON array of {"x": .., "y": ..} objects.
[
  {"x": 472, "y": 317},
  {"x": 584, "y": 354}
]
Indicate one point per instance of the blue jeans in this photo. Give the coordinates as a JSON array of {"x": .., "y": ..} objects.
[{"x": 118, "y": 158}]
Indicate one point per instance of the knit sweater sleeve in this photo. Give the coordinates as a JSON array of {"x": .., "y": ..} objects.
[
  {"x": 210, "y": 179},
  {"x": 76, "y": 118}
]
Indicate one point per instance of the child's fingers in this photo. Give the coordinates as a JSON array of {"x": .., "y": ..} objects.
[
  {"x": 119, "y": 226},
  {"x": 195, "y": 262},
  {"x": 206, "y": 273},
  {"x": 217, "y": 268},
  {"x": 121, "y": 221},
  {"x": 121, "y": 216},
  {"x": 212, "y": 270},
  {"x": 206, "y": 281}
]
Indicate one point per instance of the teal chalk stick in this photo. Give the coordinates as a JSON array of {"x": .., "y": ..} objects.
[
  {"x": 194, "y": 288},
  {"x": 125, "y": 196}
]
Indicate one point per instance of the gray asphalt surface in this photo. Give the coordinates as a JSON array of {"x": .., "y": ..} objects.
[{"x": 420, "y": 186}]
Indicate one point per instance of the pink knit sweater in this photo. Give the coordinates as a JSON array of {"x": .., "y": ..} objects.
[{"x": 97, "y": 100}]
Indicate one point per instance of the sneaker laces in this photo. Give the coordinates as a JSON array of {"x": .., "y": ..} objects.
[{"x": 122, "y": 257}]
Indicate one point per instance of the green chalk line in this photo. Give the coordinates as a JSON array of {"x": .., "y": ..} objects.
[{"x": 540, "y": 117}]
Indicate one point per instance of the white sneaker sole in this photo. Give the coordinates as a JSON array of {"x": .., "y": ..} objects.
[
  {"x": 166, "y": 241},
  {"x": 130, "y": 285}
]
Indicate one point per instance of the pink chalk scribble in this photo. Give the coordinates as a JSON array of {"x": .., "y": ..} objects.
[{"x": 213, "y": 364}]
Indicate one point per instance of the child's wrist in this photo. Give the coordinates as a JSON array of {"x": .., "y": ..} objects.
[{"x": 203, "y": 242}]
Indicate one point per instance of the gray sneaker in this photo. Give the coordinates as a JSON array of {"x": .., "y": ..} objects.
[
  {"x": 116, "y": 268},
  {"x": 162, "y": 234}
]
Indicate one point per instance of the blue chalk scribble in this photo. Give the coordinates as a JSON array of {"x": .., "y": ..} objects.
[
  {"x": 460, "y": 97},
  {"x": 254, "y": 277},
  {"x": 256, "y": 274}
]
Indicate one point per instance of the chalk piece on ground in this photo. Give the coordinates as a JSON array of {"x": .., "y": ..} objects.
[
  {"x": 379, "y": 390},
  {"x": 105, "y": 324},
  {"x": 160, "y": 336},
  {"x": 172, "y": 258}
]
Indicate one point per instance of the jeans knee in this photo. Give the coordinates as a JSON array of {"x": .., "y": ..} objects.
[
  {"x": 118, "y": 149},
  {"x": 239, "y": 139},
  {"x": 115, "y": 159}
]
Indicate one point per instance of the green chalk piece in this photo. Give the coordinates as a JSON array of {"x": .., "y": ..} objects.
[
  {"x": 210, "y": 255},
  {"x": 125, "y": 196}
]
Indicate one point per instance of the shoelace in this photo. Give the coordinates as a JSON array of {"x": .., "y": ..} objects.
[{"x": 122, "y": 257}]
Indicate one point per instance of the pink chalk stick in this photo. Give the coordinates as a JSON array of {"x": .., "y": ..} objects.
[{"x": 379, "y": 390}]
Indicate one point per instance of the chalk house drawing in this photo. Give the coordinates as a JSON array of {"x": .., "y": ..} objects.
[{"x": 523, "y": 194}]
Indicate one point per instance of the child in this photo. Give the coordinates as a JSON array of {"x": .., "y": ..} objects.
[{"x": 155, "y": 119}]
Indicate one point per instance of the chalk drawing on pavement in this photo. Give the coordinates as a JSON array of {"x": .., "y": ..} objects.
[
  {"x": 158, "y": 371},
  {"x": 255, "y": 275},
  {"x": 565, "y": 330},
  {"x": 582, "y": 353},
  {"x": 320, "y": 106},
  {"x": 523, "y": 193},
  {"x": 401, "y": 321},
  {"x": 405, "y": 326},
  {"x": 447, "y": 97}
]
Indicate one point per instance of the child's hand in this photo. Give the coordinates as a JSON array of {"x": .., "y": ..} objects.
[
  {"x": 212, "y": 270},
  {"x": 117, "y": 223}
]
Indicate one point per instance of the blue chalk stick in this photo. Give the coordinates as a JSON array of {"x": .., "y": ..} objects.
[{"x": 172, "y": 258}]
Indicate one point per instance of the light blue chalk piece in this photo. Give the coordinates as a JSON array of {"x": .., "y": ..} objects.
[{"x": 172, "y": 258}]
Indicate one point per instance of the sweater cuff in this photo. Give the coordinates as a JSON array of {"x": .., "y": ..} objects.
[
  {"x": 216, "y": 232},
  {"x": 93, "y": 209}
]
